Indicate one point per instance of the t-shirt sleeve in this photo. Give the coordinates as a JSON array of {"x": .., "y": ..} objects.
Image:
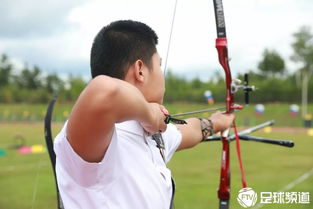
[
  {"x": 172, "y": 138},
  {"x": 84, "y": 173}
]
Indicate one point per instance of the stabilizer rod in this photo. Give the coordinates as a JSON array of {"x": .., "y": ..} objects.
[
  {"x": 243, "y": 136},
  {"x": 280, "y": 142}
]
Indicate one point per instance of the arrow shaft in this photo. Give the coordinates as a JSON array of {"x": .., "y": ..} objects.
[{"x": 197, "y": 111}]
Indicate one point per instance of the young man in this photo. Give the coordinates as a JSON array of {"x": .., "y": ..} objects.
[{"x": 106, "y": 155}]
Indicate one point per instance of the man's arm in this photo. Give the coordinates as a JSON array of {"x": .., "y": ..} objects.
[
  {"x": 104, "y": 102},
  {"x": 192, "y": 134}
]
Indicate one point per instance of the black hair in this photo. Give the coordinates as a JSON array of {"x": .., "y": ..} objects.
[{"x": 118, "y": 45}]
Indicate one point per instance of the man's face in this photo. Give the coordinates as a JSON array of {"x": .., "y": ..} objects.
[{"x": 155, "y": 85}]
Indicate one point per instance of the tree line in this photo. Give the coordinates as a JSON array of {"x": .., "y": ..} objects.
[
  {"x": 274, "y": 84},
  {"x": 31, "y": 85},
  {"x": 268, "y": 89}
]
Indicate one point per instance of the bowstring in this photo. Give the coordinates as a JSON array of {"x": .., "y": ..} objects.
[
  {"x": 170, "y": 38},
  {"x": 36, "y": 183}
]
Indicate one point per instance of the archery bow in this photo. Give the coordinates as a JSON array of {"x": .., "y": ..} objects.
[
  {"x": 49, "y": 143},
  {"x": 231, "y": 88},
  {"x": 221, "y": 46}
]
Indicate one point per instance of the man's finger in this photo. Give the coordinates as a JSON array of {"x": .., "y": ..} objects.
[{"x": 164, "y": 110}]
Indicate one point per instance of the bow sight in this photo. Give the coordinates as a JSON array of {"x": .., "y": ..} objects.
[{"x": 235, "y": 86}]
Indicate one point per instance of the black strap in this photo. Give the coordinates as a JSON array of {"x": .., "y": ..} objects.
[
  {"x": 49, "y": 143},
  {"x": 173, "y": 193},
  {"x": 160, "y": 144}
]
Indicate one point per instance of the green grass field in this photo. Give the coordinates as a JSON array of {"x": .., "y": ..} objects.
[
  {"x": 27, "y": 182},
  {"x": 247, "y": 116}
]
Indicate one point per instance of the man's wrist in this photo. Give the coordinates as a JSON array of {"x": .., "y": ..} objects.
[{"x": 207, "y": 128}]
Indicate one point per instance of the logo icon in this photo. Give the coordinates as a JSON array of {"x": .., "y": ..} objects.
[{"x": 247, "y": 197}]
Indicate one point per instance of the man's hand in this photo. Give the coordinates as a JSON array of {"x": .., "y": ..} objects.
[
  {"x": 155, "y": 120},
  {"x": 221, "y": 121}
]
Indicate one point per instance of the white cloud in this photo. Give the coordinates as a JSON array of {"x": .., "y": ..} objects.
[{"x": 33, "y": 18}]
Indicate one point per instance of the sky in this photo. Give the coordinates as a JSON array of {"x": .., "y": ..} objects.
[{"x": 57, "y": 35}]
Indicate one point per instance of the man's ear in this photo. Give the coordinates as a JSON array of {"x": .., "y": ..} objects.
[{"x": 139, "y": 72}]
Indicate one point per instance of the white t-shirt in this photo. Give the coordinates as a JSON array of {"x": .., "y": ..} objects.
[{"x": 132, "y": 174}]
